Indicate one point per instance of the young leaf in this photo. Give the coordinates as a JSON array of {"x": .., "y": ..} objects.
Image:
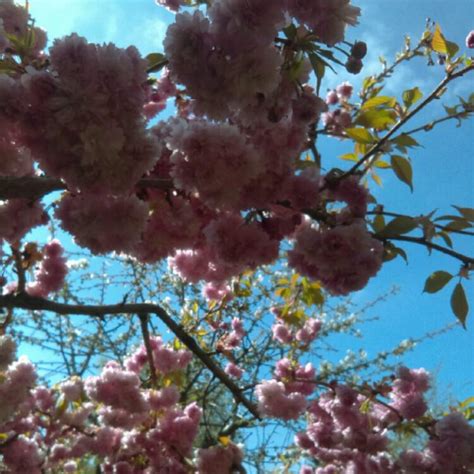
[
  {"x": 405, "y": 140},
  {"x": 398, "y": 226},
  {"x": 411, "y": 96},
  {"x": 438, "y": 42},
  {"x": 378, "y": 223},
  {"x": 459, "y": 304},
  {"x": 466, "y": 212},
  {"x": 402, "y": 168},
  {"x": 379, "y": 100},
  {"x": 380, "y": 119},
  {"x": 436, "y": 281},
  {"x": 156, "y": 62},
  {"x": 360, "y": 135}
]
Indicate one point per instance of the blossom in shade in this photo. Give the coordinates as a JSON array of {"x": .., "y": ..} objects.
[
  {"x": 327, "y": 19},
  {"x": 343, "y": 258},
  {"x": 214, "y": 161},
  {"x": 103, "y": 225},
  {"x": 84, "y": 123},
  {"x": 52, "y": 271},
  {"x": 218, "y": 459}
]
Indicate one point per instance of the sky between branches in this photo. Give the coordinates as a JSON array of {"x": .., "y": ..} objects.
[{"x": 443, "y": 169}]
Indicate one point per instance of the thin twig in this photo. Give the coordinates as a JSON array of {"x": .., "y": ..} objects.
[{"x": 149, "y": 351}]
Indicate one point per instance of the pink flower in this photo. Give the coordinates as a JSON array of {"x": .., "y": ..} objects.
[
  {"x": 233, "y": 370},
  {"x": 328, "y": 20},
  {"x": 274, "y": 401},
  {"x": 281, "y": 333},
  {"x": 344, "y": 91},
  {"x": 51, "y": 273},
  {"x": 218, "y": 459},
  {"x": 212, "y": 161},
  {"x": 103, "y": 225}
]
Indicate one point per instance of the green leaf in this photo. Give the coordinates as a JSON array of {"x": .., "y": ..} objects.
[
  {"x": 360, "y": 135},
  {"x": 411, "y": 96},
  {"x": 459, "y": 304},
  {"x": 349, "y": 157},
  {"x": 453, "y": 48},
  {"x": 380, "y": 119},
  {"x": 466, "y": 212},
  {"x": 447, "y": 239},
  {"x": 379, "y": 100},
  {"x": 156, "y": 62},
  {"x": 457, "y": 224},
  {"x": 436, "y": 281},
  {"x": 391, "y": 251},
  {"x": 402, "y": 168},
  {"x": 378, "y": 223},
  {"x": 405, "y": 140},
  {"x": 382, "y": 164},
  {"x": 438, "y": 42},
  {"x": 319, "y": 68},
  {"x": 376, "y": 177},
  {"x": 398, "y": 226}
]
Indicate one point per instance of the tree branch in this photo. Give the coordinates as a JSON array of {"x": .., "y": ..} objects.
[
  {"x": 149, "y": 351},
  {"x": 421, "y": 241},
  {"x": 34, "y": 187},
  {"x": 25, "y": 301}
]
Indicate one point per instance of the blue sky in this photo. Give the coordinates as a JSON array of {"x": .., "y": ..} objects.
[{"x": 443, "y": 169}]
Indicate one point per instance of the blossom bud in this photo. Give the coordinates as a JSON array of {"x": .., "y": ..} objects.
[
  {"x": 359, "y": 50},
  {"x": 354, "y": 65},
  {"x": 470, "y": 39}
]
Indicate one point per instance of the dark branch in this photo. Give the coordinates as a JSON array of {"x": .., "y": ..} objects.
[
  {"x": 34, "y": 187},
  {"x": 468, "y": 261}
]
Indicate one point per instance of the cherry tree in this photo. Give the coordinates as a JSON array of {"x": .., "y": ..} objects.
[{"x": 229, "y": 186}]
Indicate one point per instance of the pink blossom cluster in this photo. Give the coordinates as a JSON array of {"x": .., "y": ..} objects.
[
  {"x": 50, "y": 430},
  {"x": 231, "y": 246},
  {"x": 340, "y": 118},
  {"x": 166, "y": 359},
  {"x": 343, "y": 258},
  {"x": 276, "y": 402},
  {"x": 349, "y": 432},
  {"x": 343, "y": 435},
  {"x": 450, "y": 450},
  {"x": 17, "y": 379},
  {"x": 286, "y": 334},
  {"x": 217, "y": 292},
  {"x": 327, "y": 19},
  {"x": 172, "y": 5},
  {"x": 51, "y": 273},
  {"x": 84, "y": 121},
  {"x": 218, "y": 459},
  {"x": 18, "y": 216},
  {"x": 103, "y": 225},
  {"x": 233, "y": 339},
  {"x": 163, "y": 89},
  {"x": 214, "y": 162},
  {"x": 285, "y": 396},
  {"x": 408, "y": 390}
]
